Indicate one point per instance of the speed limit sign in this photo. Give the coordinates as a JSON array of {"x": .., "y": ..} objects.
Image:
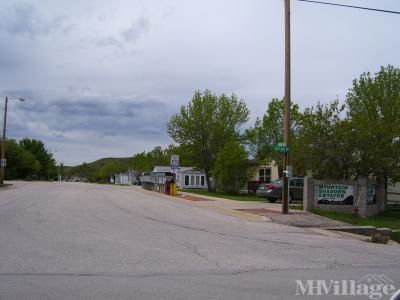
[{"x": 174, "y": 161}]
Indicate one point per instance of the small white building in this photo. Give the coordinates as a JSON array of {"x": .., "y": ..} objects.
[
  {"x": 393, "y": 193},
  {"x": 265, "y": 173},
  {"x": 128, "y": 178},
  {"x": 186, "y": 177}
]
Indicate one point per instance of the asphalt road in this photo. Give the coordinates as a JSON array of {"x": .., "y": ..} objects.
[{"x": 86, "y": 241}]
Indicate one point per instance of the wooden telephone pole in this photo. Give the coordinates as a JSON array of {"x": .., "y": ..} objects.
[
  {"x": 3, "y": 143},
  {"x": 285, "y": 194}
]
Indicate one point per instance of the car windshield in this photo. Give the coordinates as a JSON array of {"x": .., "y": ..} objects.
[{"x": 278, "y": 181}]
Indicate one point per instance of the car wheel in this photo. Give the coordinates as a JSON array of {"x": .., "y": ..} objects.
[{"x": 272, "y": 200}]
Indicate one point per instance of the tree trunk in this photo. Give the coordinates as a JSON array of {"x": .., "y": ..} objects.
[
  {"x": 381, "y": 193},
  {"x": 386, "y": 191},
  {"x": 207, "y": 173}
]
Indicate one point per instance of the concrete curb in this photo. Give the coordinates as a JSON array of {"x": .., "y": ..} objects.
[
  {"x": 8, "y": 187},
  {"x": 363, "y": 230},
  {"x": 348, "y": 235}
]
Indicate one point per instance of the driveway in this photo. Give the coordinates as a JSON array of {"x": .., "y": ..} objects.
[{"x": 88, "y": 241}]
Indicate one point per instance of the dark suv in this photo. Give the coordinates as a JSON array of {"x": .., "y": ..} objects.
[{"x": 273, "y": 191}]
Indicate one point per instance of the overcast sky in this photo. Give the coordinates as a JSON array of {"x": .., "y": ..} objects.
[{"x": 102, "y": 78}]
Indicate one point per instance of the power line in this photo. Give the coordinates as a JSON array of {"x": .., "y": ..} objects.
[{"x": 351, "y": 6}]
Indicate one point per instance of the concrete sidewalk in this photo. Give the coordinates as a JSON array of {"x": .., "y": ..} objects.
[
  {"x": 266, "y": 212},
  {"x": 257, "y": 211},
  {"x": 271, "y": 212},
  {"x": 224, "y": 206},
  {"x": 297, "y": 218}
]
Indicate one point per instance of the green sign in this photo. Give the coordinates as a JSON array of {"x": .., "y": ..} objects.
[{"x": 280, "y": 148}]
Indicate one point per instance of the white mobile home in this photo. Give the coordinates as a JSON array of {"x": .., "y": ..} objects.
[
  {"x": 186, "y": 177},
  {"x": 128, "y": 178}
]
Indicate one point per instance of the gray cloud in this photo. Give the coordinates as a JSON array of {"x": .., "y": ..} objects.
[
  {"x": 102, "y": 78},
  {"x": 99, "y": 115},
  {"x": 109, "y": 41},
  {"x": 88, "y": 120},
  {"x": 127, "y": 36},
  {"x": 135, "y": 30},
  {"x": 25, "y": 20},
  {"x": 10, "y": 60}
]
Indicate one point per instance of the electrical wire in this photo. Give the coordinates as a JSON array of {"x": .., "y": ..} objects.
[{"x": 351, "y": 6}]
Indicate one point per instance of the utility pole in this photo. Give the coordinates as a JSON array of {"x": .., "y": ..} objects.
[
  {"x": 285, "y": 194},
  {"x": 3, "y": 143}
]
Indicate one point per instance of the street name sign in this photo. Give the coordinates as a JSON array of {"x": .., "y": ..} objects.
[{"x": 281, "y": 147}]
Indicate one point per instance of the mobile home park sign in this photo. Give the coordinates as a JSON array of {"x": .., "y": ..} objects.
[{"x": 336, "y": 194}]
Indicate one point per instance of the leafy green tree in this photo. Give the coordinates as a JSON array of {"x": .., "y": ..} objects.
[
  {"x": 184, "y": 156},
  {"x": 140, "y": 162},
  {"x": 36, "y": 147},
  {"x": 20, "y": 162},
  {"x": 360, "y": 138},
  {"x": 205, "y": 125},
  {"x": 109, "y": 169},
  {"x": 324, "y": 143},
  {"x": 28, "y": 165},
  {"x": 231, "y": 166},
  {"x": 269, "y": 131},
  {"x": 158, "y": 157},
  {"x": 13, "y": 154},
  {"x": 373, "y": 105},
  {"x": 146, "y": 161}
]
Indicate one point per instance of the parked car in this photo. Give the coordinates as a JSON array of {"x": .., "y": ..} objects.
[{"x": 273, "y": 191}]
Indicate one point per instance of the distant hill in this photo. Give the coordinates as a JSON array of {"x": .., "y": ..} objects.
[{"x": 86, "y": 169}]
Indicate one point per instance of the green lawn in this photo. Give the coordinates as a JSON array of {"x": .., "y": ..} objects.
[
  {"x": 389, "y": 219},
  {"x": 225, "y": 195}
]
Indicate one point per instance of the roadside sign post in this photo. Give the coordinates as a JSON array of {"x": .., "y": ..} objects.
[
  {"x": 288, "y": 174},
  {"x": 174, "y": 167},
  {"x": 285, "y": 194},
  {"x": 283, "y": 148},
  {"x": 174, "y": 163},
  {"x": 289, "y": 171}
]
